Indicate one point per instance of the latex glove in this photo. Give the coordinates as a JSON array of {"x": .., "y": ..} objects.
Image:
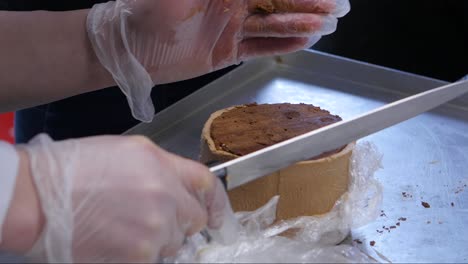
[
  {"x": 116, "y": 199},
  {"x": 147, "y": 42}
]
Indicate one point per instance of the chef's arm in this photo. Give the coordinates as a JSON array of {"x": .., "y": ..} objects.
[{"x": 46, "y": 56}]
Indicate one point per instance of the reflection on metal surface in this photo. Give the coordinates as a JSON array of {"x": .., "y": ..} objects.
[{"x": 426, "y": 157}]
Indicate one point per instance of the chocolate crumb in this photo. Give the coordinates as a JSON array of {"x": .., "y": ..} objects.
[
  {"x": 265, "y": 8},
  {"x": 292, "y": 114},
  {"x": 406, "y": 195},
  {"x": 426, "y": 205},
  {"x": 279, "y": 60},
  {"x": 402, "y": 219},
  {"x": 398, "y": 224},
  {"x": 460, "y": 189},
  {"x": 452, "y": 204},
  {"x": 358, "y": 241},
  {"x": 372, "y": 243},
  {"x": 392, "y": 227},
  {"x": 428, "y": 222}
]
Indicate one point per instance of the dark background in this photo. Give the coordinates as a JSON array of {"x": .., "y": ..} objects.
[{"x": 427, "y": 37}]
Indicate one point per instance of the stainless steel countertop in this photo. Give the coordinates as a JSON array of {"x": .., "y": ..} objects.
[{"x": 425, "y": 158}]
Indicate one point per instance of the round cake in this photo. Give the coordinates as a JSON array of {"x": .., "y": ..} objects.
[{"x": 306, "y": 188}]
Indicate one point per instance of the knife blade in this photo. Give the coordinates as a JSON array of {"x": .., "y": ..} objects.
[{"x": 247, "y": 168}]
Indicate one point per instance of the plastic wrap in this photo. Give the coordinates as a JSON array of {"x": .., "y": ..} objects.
[{"x": 303, "y": 239}]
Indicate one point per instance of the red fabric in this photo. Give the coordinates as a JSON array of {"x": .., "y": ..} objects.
[{"x": 6, "y": 127}]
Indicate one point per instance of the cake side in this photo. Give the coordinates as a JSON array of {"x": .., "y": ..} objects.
[
  {"x": 313, "y": 187},
  {"x": 306, "y": 188}
]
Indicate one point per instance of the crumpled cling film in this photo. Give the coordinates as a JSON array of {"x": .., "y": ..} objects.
[{"x": 316, "y": 239}]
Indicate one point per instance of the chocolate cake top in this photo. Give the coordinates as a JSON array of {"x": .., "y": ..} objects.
[{"x": 245, "y": 129}]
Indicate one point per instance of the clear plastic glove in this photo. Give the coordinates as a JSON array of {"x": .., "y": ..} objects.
[
  {"x": 147, "y": 42},
  {"x": 116, "y": 199}
]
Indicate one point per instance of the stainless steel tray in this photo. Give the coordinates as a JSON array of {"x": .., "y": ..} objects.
[{"x": 425, "y": 158}]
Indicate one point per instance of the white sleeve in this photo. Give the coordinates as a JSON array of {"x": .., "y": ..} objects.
[{"x": 9, "y": 161}]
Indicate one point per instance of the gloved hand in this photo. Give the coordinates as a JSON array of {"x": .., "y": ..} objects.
[
  {"x": 147, "y": 42},
  {"x": 116, "y": 199}
]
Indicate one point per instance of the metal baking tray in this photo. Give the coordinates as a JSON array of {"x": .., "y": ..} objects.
[{"x": 425, "y": 158}]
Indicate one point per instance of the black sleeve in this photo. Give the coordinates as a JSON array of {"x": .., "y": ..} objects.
[{"x": 51, "y": 5}]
